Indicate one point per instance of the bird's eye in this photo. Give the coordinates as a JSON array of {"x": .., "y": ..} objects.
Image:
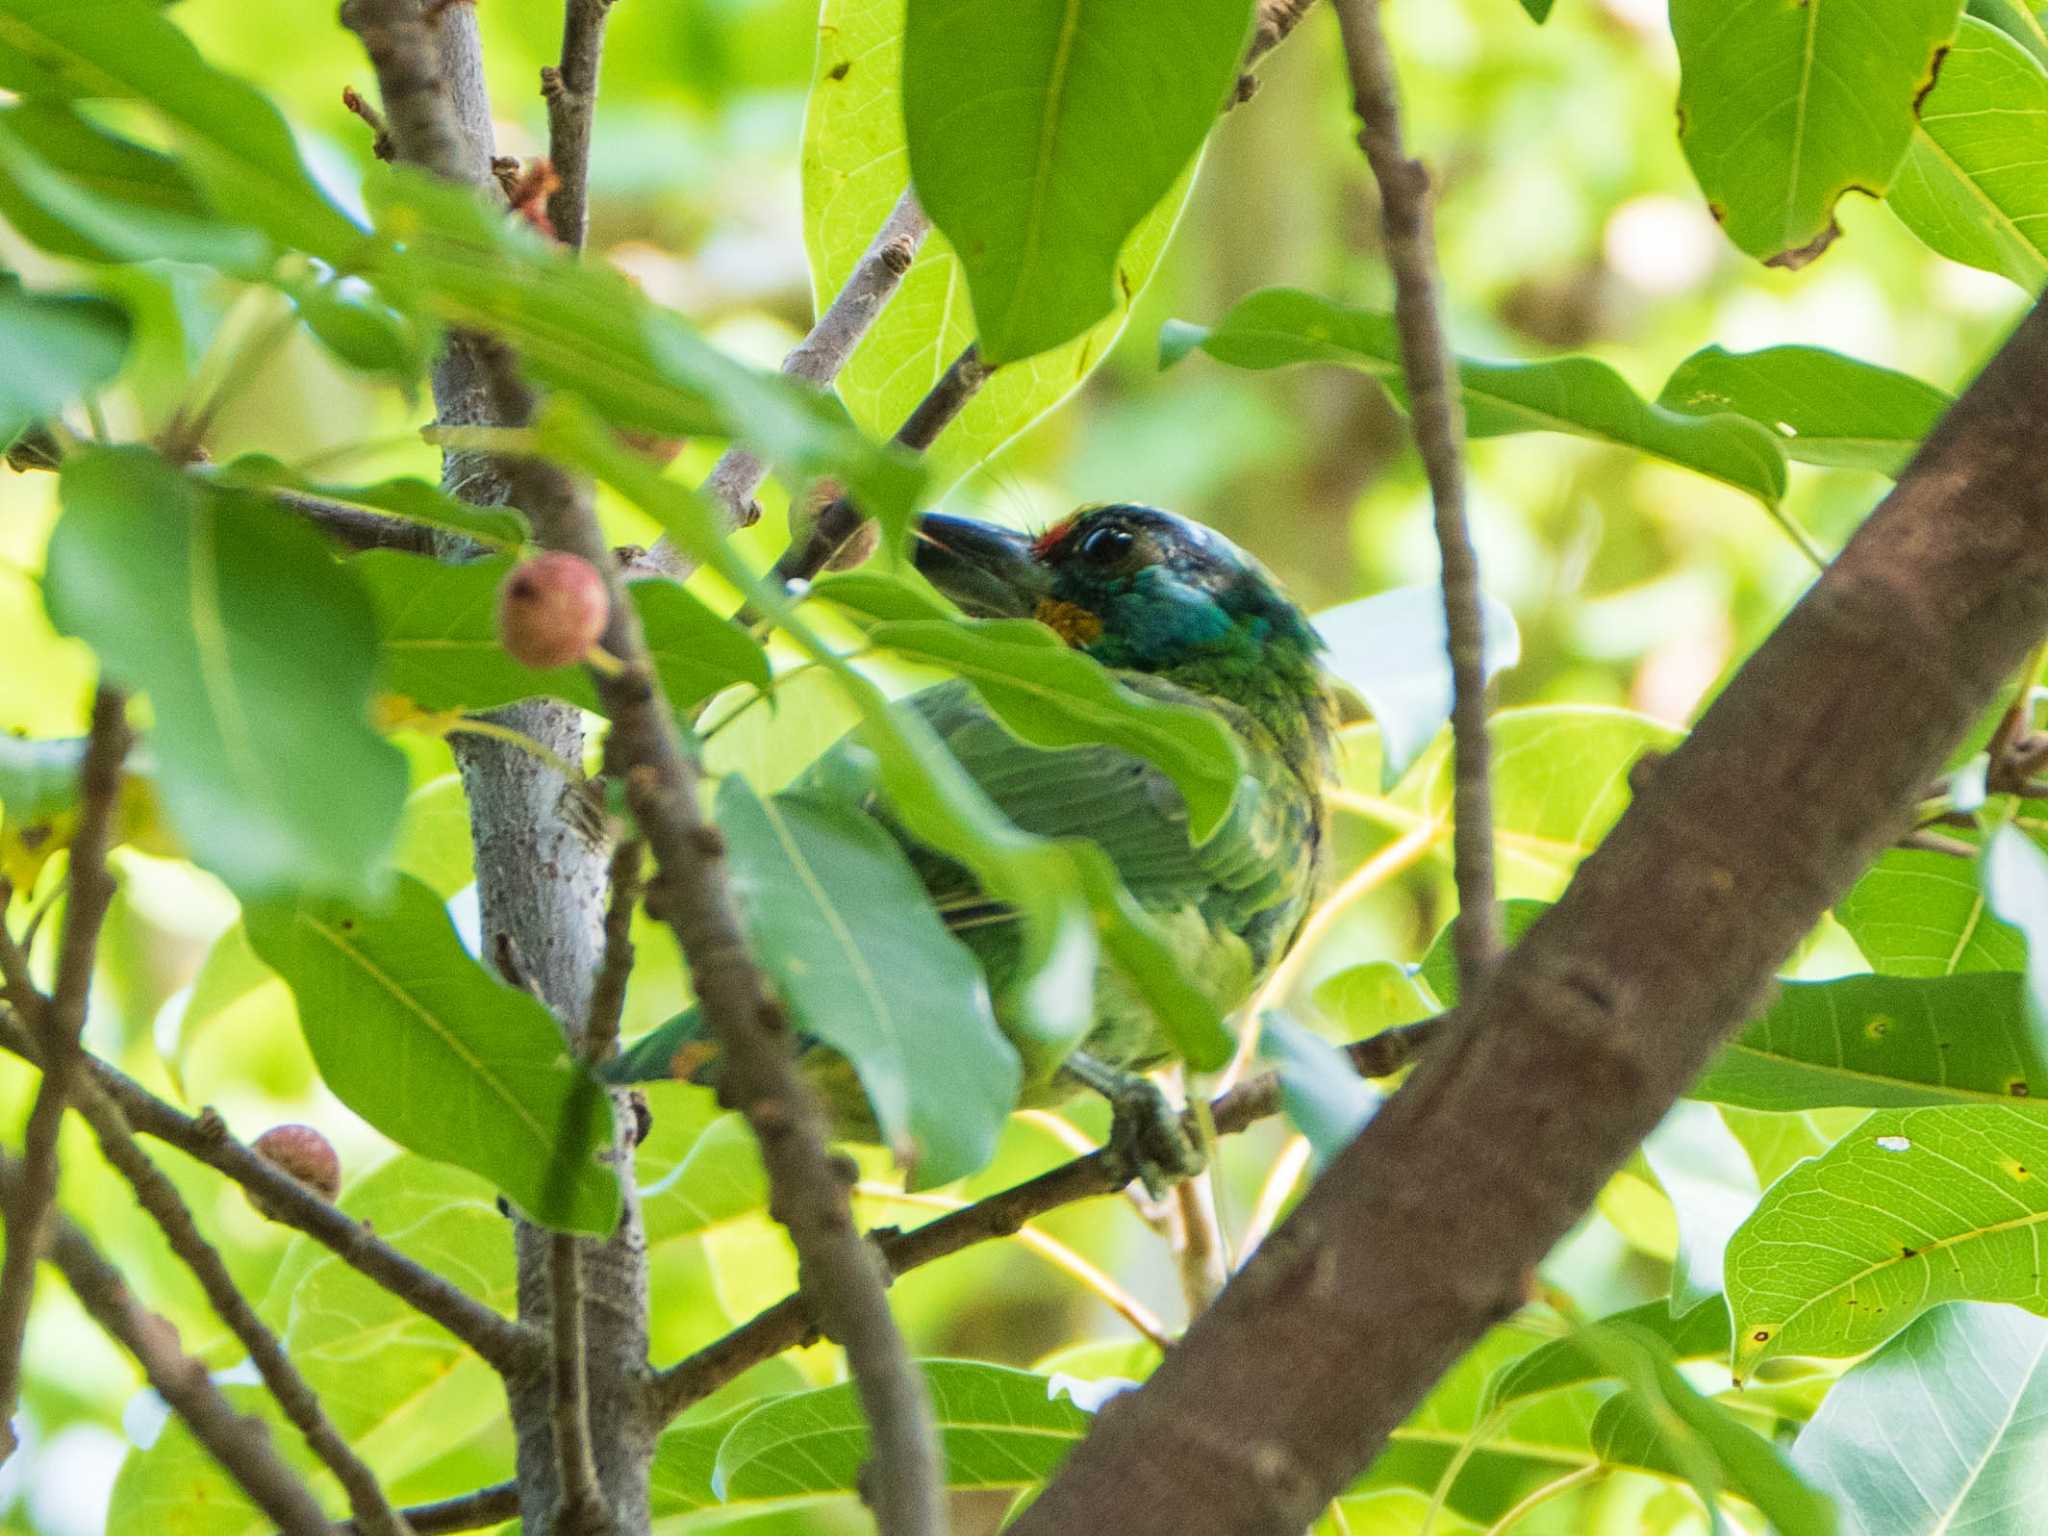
[{"x": 1106, "y": 545}]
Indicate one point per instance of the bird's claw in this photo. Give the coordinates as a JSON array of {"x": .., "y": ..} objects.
[{"x": 1149, "y": 1140}]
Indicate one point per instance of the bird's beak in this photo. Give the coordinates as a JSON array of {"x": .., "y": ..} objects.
[{"x": 990, "y": 572}]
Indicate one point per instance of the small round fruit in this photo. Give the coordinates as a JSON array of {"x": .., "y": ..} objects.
[
  {"x": 305, "y": 1154},
  {"x": 551, "y": 610}
]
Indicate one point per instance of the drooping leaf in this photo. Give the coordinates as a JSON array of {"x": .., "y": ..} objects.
[
  {"x": 1940, "y": 1431},
  {"x": 1712, "y": 1188},
  {"x": 78, "y": 191},
  {"x": 1883, "y": 1042},
  {"x": 841, "y": 922},
  {"x": 1278, "y": 327},
  {"x": 1390, "y": 649},
  {"x": 404, "y": 496},
  {"x": 582, "y": 328},
  {"x": 1968, "y": 186},
  {"x": 1057, "y": 170},
  {"x": 1920, "y": 913},
  {"x": 365, "y": 332},
  {"x": 1699, "y": 1334},
  {"x": 1914, "y": 1208},
  {"x": 1054, "y": 696},
  {"x": 1784, "y": 109},
  {"x": 233, "y": 138},
  {"x": 855, "y": 167},
  {"x": 1825, "y": 408},
  {"x": 438, "y": 638},
  {"x": 1323, "y": 1097},
  {"x": 257, "y": 651},
  {"x": 58, "y": 348},
  {"x": 998, "y": 1427},
  {"x": 414, "y": 1035}
]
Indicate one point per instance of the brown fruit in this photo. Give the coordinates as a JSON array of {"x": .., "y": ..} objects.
[
  {"x": 305, "y": 1154},
  {"x": 551, "y": 610}
]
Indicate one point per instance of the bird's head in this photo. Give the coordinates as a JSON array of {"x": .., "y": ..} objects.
[{"x": 1145, "y": 590}]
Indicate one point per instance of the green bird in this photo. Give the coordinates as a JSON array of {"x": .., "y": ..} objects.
[{"x": 1181, "y": 614}]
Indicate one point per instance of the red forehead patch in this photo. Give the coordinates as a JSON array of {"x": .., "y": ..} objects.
[{"x": 1052, "y": 538}]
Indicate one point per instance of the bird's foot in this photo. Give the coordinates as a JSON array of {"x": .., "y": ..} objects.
[{"x": 1148, "y": 1137}]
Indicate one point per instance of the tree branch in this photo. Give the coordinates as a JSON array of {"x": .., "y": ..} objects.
[
  {"x": 240, "y": 1444},
  {"x": 788, "y": 1323},
  {"x": 608, "y": 993},
  {"x": 502, "y": 1343},
  {"x": 358, "y": 529},
  {"x": 60, "y": 1023},
  {"x": 570, "y": 90},
  {"x": 465, "y": 1512},
  {"x": 1438, "y": 415},
  {"x": 1427, "y": 1228},
  {"x": 582, "y": 1511}
]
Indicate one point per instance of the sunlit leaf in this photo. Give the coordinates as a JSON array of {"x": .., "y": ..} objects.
[
  {"x": 1920, "y": 913},
  {"x": 1784, "y": 109},
  {"x": 1969, "y": 186},
  {"x": 1914, "y": 1208},
  {"x": 1057, "y": 172},
  {"x": 257, "y": 651},
  {"x": 1940, "y": 1431},
  {"x": 1278, "y": 327},
  {"x": 855, "y": 167},
  {"x": 1362, "y": 1000},
  {"x": 1390, "y": 648},
  {"x": 415, "y": 1036},
  {"x": 842, "y": 923},
  {"x": 1826, "y": 408}
]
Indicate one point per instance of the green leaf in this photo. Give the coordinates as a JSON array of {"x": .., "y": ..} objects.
[
  {"x": 842, "y": 923},
  {"x": 855, "y": 167},
  {"x": 1970, "y": 187},
  {"x": 1883, "y": 1042},
  {"x": 1539, "y": 10},
  {"x": 1277, "y": 327},
  {"x": 1782, "y": 109},
  {"x": 581, "y": 327},
  {"x": 438, "y": 637},
  {"x": 1439, "y": 968},
  {"x": 1825, "y": 408},
  {"x": 1364, "y": 999},
  {"x": 1390, "y": 649},
  {"x": 1914, "y": 1208},
  {"x": 1697, "y": 1436},
  {"x": 257, "y": 651},
  {"x": 80, "y": 192},
  {"x": 405, "y": 496},
  {"x": 2014, "y": 872},
  {"x": 998, "y": 1428},
  {"x": 1944, "y": 1429},
  {"x": 1700, "y": 1334},
  {"x": 1025, "y": 151},
  {"x": 421, "y": 1041},
  {"x": 58, "y": 348},
  {"x": 366, "y": 333},
  {"x": 234, "y": 139},
  {"x": 1707, "y": 1177},
  {"x": 1323, "y": 1097},
  {"x": 873, "y": 594},
  {"x": 1053, "y": 696},
  {"x": 1918, "y": 913},
  {"x": 2017, "y": 21}
]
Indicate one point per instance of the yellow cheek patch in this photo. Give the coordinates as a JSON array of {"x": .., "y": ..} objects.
[{"x": 1070, "y": 621}]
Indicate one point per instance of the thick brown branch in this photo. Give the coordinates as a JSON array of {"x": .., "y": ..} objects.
[
  {"x": 787, "y": 1324},
  {"x": 1427, "y": 1228},
  {"x": 503, "y": 1343},
  {"x": 418, "y": 108},
  {"x": 90, "y": 889},
  {"x": 1438, "y": 413},
  {"x": 571, "y": 93},
  {"x": 240, "y": 1444}
]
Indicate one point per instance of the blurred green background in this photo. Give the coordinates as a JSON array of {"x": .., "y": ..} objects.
[{"x": 1568, "y": 222}]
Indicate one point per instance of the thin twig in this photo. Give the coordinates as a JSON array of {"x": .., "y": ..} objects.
[
  {"x": 1197, "y": 1240},
  {"x": 503, "y": 1344},
  {"x": 840, "y": 519},
  {"x": 240, "y": 1444},
  {"x": 159, "y": 1197},
  {"x": 788, "y": 1323},
  {"x": 59, "y": 1025},
  {"x": 357, "y": 528},
  {"x": 608, "y": 992},
  {"x": 1438, "y": 414},
  {"x": 465, "y": 1512},
  {"x": 582, "y": 1511},
  {"x": 570, "y": 90}
]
